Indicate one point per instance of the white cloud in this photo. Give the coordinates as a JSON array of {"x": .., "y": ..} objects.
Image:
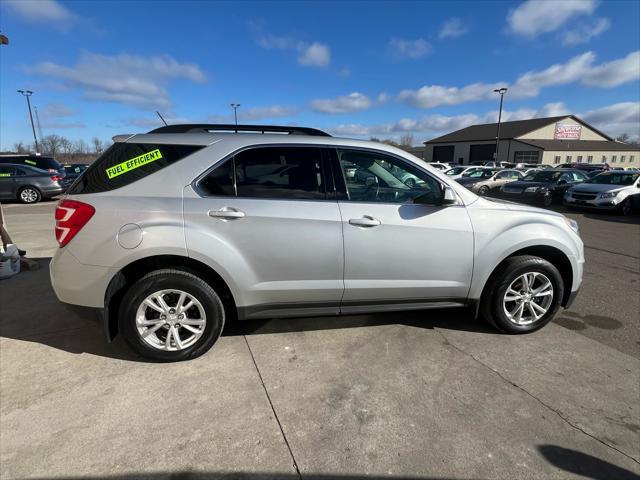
[
  {"x": 614, "y": 73},
  {"x": 411, "y": 49},
  {"x": 579, "y": 69},
  {"x": 616, "y": 119},
  {"x": 42, "y": 11},
  {"x": 353, "y": 102},
  {"x": 57, "y": 109},
  {"x": 431, "y": 96},
  {"x": 613, "y": 119},
  {"x": 271, "y": 111},
  {"x": 535, "y": 17},
  {"x": 452, "y": 28},
  {"x": 128, "y": 79},
  {"x": 584, "y": 32},
  {"x": 383, "y": 97},
  {"x": 315, "y": 55}
]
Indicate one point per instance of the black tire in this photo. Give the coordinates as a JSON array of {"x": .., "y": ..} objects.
[
  {"x": 547, "y": 199},
  {"x": 483, "y": 190},
  {"x": 626, "y": 208},
  {"x": 179, "y": 280},
  {"x": 29, "y": 194},
  {"x": 491, "y": 306}
]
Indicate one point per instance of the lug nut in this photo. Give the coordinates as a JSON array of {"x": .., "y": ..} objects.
[
  {"x": 180, "y": 317},
  {"x": 172, "y": 311},
  {"x": 163, "y": 317},
  {"x": 177, "y": 325}
]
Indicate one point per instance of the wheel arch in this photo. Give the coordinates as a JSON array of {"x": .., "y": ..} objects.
[
  {"x": 553, "y": 255},
  {"x": 135, "y": 270}
]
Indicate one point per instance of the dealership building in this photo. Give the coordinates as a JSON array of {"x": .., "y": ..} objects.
[{"x": 551, "y": 140}]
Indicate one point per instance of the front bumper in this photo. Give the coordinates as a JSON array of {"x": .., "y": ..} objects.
[{"x": 596, "y": 203}]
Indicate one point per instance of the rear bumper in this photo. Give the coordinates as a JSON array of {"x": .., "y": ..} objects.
[
  {"x": 78, "y": 284},
  {"x": 52, "y": 192}
]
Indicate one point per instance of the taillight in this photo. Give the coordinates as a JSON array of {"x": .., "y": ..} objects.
[
  {"x": 71, "y": 216},
  {"x": 56, "y": 178}
]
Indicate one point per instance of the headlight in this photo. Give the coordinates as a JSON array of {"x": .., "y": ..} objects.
[
  {"x": 608, "y": 194},
  {"x": 531, "y": 189},
  {"x": 572, "y": 224}
]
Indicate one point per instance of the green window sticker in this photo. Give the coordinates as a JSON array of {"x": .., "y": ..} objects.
[
  {"x": 5, "y": 174},
  {"x": 30, "y": 162},
  {"x": 133, "y": 163}
]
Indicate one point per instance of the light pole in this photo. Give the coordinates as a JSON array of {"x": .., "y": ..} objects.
[
  {"x": 28, "y": 93},
  {"x": 501, "y": 91},
  {"x": 235, "y": 112}
]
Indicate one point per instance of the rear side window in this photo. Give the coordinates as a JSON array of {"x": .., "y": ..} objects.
[
  {"x": 7, "y": 172},
  {"x": 126, "y": 163},
  {"x": 269, "y": 172}
]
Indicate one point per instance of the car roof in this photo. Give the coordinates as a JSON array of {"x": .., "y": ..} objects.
[{"x": 22, "y": 165}]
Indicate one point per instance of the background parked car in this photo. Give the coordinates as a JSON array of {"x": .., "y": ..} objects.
[
  {"x": 486, "y": 181},
  {"x": 72, "y": 172},
  {"x": 543, "y": 187},
  {"x": 612, "y": 190},
  {"x": 461, "y": 170},
  {"x": 28, "y": 184},
  {"x": 48, "y": 164}
]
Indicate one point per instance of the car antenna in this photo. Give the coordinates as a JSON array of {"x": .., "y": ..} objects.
[{"x": 163, "y": 120}]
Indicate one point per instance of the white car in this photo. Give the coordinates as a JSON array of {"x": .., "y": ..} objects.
[{"x": 462, "y": 170}]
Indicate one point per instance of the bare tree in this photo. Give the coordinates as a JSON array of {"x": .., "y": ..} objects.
[
  {"x": 624, "y": 138},
  {"x": 51, "y": 144},
  {"x": 97, "y": 145},
  {"x": 66, "y": 146},
  {"x": 20, "y": 148},
  {"x": 406, "y": 140},
  {"x": 80, "y": 147}
]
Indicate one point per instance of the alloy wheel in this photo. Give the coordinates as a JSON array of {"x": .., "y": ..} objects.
[
  {"x": 170, "y": 320},
  {"x": 29, "y": 195},
  {"x": 528, "y": 298}
]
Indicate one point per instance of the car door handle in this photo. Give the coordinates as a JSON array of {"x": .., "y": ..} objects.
[
  {"x": 365, "y": 221},
  {"x": 226, "y": 212}
]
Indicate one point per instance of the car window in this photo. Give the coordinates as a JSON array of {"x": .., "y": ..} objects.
[
  {"x": 381, "y": 178},
  {"x": 579, "y": 177},
  {"x": 506, "y": 174},
  {"x": 615, "y": 178},
  {"x": 456, "y": 170},
  {"x": 269, "y": 172},
  {"x": 7, "y": 172},
  {"x": 125, "y": 163},
  {"x": 543, "y": 176}
]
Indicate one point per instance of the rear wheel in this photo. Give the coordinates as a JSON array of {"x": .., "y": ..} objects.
[
  {"x": 29, "y": 195},
  {"x": 547, "y": 199},
  {"x": 483, "y": 190},
  {"x": 523, "y": 295},
  {"x": 171, "y": 315}
]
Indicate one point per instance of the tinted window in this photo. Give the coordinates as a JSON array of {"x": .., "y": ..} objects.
[
  {"x": 615, "y": 178},
  {"x": 280, "y": 172},
  {"x": 543, "y": 176},
  {"x": 219, "y": 181},
  {"x": 124, "y": 163},
  {"x": 7, "y": 172},
  {"x": 374, "y": 177}
]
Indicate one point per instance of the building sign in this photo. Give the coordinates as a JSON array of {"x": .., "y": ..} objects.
[{"x": 567, "y": 131}]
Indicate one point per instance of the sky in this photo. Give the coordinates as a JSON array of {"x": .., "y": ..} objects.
[{"x": 356, "y": 69}]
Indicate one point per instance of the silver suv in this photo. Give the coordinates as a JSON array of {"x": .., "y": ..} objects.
[{"x": 173, "y": 233}]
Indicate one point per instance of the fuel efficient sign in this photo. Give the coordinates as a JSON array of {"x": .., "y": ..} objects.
[{"x": 567, "y": 131}]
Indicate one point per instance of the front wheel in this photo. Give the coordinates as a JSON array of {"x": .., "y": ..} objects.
[
  {"x": 171, "y": 315},
  {"x": 484, "y": 190},
  {"x": 547, "y": 199},
  {"x": 523, "y": 295},
  {"x": 626, "y": 208}
]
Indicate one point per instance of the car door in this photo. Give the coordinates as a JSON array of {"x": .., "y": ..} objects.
[
  {"x": 506, "y": 176},
  {"x": 7, "y": 181},
  {"x": 265, "y": 219},
  {"x": 400, "y": 246}
]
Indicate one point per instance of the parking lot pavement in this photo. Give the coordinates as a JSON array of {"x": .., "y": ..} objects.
[{"x": 429, "y": 395}]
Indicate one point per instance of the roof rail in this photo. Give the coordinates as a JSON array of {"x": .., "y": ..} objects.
[{"x": 215, "y": 127}]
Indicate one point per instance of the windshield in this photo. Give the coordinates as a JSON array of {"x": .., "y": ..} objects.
[
  {"x": 612, "y": 178},
  {"x": 485, "y": 173},
  {"x": 544, "y": 176},
  {"x": 456, "y": 170}
]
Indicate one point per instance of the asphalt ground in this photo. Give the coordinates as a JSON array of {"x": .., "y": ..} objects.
[{"x": 430, "y": 395}]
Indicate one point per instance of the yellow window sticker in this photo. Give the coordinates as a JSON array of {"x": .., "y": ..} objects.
[
  {"x": 133, "y": 163},
  {"x": 5, "y": 174},
  {"x": 30, "y": 162}
]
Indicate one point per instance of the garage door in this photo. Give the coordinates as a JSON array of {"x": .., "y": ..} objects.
[
  {"x": 482, "y": 153},
  {"x": 443, "y": 154}
]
